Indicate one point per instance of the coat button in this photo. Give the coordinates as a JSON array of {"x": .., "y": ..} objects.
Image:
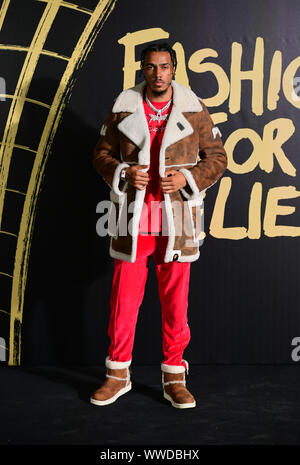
[{"x": 175, "y": 257}]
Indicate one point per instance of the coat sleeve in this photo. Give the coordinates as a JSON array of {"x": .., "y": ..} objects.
[
  {"x": 212, "y": 160},
  {"x": 106, "y": 154}
]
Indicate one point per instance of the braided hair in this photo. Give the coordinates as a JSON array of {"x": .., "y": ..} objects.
[{"x": 164, "y": 47}]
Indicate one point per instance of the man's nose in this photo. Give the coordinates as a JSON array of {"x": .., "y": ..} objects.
[{"x": 157, "y": 72}]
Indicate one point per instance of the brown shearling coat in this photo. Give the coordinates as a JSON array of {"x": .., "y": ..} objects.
[{"x": 191, "y": 144}]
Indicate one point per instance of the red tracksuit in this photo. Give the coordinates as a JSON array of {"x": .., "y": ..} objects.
[{"x": 129, "y": 279}]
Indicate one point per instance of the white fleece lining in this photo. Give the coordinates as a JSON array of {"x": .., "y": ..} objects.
[
  {"x": 116, "y": 178},
  {"x": 171, "y": 229},
  {"x": 128, "y": 99},
  {"x": 194, "y": 203},
  {"x": 138, "y": 205},
  {"x": 191, "y": 182},
  {"x": 116, "y": 365},
  {"x": 183, "y": 97},
  {"x": 172, "y": 368},
  {"x": 192, "y": 221},
  {"x": 135, "y": 127},
  {"x": 183, "y": 189}
]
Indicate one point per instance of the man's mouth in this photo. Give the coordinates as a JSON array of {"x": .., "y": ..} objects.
[{"x": 158, "y": 83}]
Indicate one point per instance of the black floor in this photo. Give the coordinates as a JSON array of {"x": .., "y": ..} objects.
[{"x": 236, "y": 404}]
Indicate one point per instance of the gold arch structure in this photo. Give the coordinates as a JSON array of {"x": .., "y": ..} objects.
[{"x": 96, "y": 20}]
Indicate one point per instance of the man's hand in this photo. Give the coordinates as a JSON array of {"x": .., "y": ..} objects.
[
  {"x": 137, "y": 178},
  {"x": 172, "y": 182}
]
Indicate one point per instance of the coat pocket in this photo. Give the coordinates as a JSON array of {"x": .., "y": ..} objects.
[
  {"x": 116, "y": 206},
  {"x": 196, "y": 210}
]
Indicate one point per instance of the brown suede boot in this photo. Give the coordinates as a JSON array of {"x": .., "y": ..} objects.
[
  {"x": 117, "y": 383},
  {"x": 173, "y": 380}
]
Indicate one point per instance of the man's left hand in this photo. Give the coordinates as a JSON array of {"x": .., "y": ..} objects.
[{"x": 173, "y": 181}]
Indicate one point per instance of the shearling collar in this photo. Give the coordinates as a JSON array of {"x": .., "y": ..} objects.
[{"x": 184, "y": 99}]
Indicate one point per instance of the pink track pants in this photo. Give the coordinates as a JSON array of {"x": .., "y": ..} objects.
[{"x": 128, "y": 285}]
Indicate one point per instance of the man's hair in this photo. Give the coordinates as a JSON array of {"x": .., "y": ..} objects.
[{"x": 165, "y": 47}]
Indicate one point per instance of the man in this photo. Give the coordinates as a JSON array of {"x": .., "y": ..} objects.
[{"x": 158, "y": 151}]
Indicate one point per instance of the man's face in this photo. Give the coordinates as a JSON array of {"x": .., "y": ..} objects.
[{"x": 158, "y": 71}]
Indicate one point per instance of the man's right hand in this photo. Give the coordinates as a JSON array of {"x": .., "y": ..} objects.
[{"x": 136, "y": 177}]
